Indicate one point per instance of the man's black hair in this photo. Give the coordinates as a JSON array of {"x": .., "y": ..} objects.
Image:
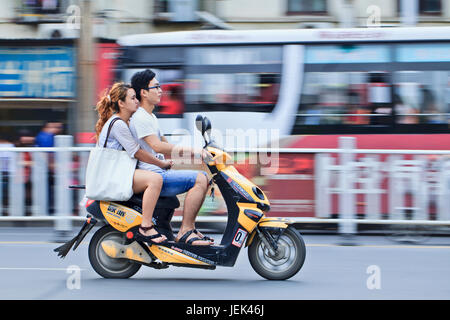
[{"x": 140, "y": 81}]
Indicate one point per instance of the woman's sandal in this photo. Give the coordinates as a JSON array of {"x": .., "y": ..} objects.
[
  {"x": 149, "y": 239},
  {"x": 184, "y": 238}
]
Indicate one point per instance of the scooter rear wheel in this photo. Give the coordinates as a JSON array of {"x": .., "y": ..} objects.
[
  {"x": 104, "y": 265},
  {"x": 285, "y": 263}
]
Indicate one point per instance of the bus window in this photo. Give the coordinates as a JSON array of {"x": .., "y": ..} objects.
[
  {"x": 233, "y": 78},
  {"x": 235, "y": 91},
  {"x": 422, "y": 84},
  {"x": 343, "y": 94},
  {"x": 346, "y": 89},
  {"x": 422, "y": 97},
  {"x": 336, "y": 98}
]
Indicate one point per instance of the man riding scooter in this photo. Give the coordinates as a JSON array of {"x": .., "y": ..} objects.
[{"x": 145, "y": 128}]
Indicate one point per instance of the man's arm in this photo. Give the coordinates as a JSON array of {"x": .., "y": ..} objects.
[
  {"x": 144, "y": 156},
  {"x": 159, "y": 146},
  {"x": 168, "y": 149}
]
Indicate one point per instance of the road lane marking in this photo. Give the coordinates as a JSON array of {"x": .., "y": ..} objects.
[
  {"x": 407, "y": 246},
  {"x": 26, "y": 242},
  {"x": 36, "y": 242},
  {"x": 396, "y": 246},
  {"x": 35, "y": 269}
]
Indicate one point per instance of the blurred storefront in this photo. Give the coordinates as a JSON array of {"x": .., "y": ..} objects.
[{"x": 37, "y": 83}]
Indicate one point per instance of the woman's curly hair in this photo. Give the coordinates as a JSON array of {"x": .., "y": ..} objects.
[{"x": 109, "y": 104}]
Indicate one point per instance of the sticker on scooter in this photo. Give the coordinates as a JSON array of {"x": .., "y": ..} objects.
[{"x": 239, "y": 238}]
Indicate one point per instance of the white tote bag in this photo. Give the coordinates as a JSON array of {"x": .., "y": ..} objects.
[{"x": 109, "y": 173}]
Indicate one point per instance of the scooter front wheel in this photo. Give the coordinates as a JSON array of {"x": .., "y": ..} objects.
[
  {"x": 282, "y": 264},
  {"x": 104, "y": 265}
]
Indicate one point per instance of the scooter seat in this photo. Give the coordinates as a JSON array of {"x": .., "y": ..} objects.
[{"x": 162, "y": 203}]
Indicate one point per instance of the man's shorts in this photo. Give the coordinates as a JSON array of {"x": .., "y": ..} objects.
[{"x": 178, "y": 181}]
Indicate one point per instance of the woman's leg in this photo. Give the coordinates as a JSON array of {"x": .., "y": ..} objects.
[{"x": 150, "y": 183}]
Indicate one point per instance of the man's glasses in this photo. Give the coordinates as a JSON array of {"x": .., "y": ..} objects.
[{"x": 154, "y": 87}]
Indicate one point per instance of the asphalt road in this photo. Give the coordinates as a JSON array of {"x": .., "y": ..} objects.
[{"x": 376, "y": 268}]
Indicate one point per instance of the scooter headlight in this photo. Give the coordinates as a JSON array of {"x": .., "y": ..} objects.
[{"x": 258, "y": 192}]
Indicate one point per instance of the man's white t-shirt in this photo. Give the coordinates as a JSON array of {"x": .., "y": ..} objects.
[{"x": 143, "y": 124}]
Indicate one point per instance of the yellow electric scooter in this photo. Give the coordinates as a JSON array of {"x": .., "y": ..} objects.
[{"x": 276, "y": 250}]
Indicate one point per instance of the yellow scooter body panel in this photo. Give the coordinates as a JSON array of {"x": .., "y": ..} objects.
[
  {"x": 172, "y": 255},
  {"x": 249, "y": 215},
  {"x": 238, "y": 181},
  {"x": 274, "y": 222},
  {"x": 120, "y": 217}
]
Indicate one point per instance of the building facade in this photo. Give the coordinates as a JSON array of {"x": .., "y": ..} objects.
[{"x": 114, "y": 18}]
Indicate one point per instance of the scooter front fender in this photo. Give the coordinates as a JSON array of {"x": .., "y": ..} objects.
[{"x": 271, "y": 222}]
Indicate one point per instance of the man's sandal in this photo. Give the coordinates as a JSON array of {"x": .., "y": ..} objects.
[
  {"x": 184, "y": 238},
  {"x": 149, "y": 239},
  {"x": 206, "y": 238}
]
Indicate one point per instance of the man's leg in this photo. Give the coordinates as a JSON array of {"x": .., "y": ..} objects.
[
  {"x": 196, "y": 185},
  {"x": 192, "y": 203}
]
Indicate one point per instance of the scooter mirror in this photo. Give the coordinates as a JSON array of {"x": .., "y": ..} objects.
[
  {"x": 199, "y": 123},
  {"x": 206, "y": 128}
]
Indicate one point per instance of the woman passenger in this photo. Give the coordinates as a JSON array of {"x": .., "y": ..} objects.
[{"x": 120, "y": 102}]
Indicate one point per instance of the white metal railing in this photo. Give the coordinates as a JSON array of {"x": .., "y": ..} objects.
[
  {"x": 44, "y": 182},
  {"x": 345, "y": 172},
  {"x": 389, "y": 182}
]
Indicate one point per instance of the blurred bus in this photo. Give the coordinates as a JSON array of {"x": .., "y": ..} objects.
[{"x": 302, "y": 82}]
